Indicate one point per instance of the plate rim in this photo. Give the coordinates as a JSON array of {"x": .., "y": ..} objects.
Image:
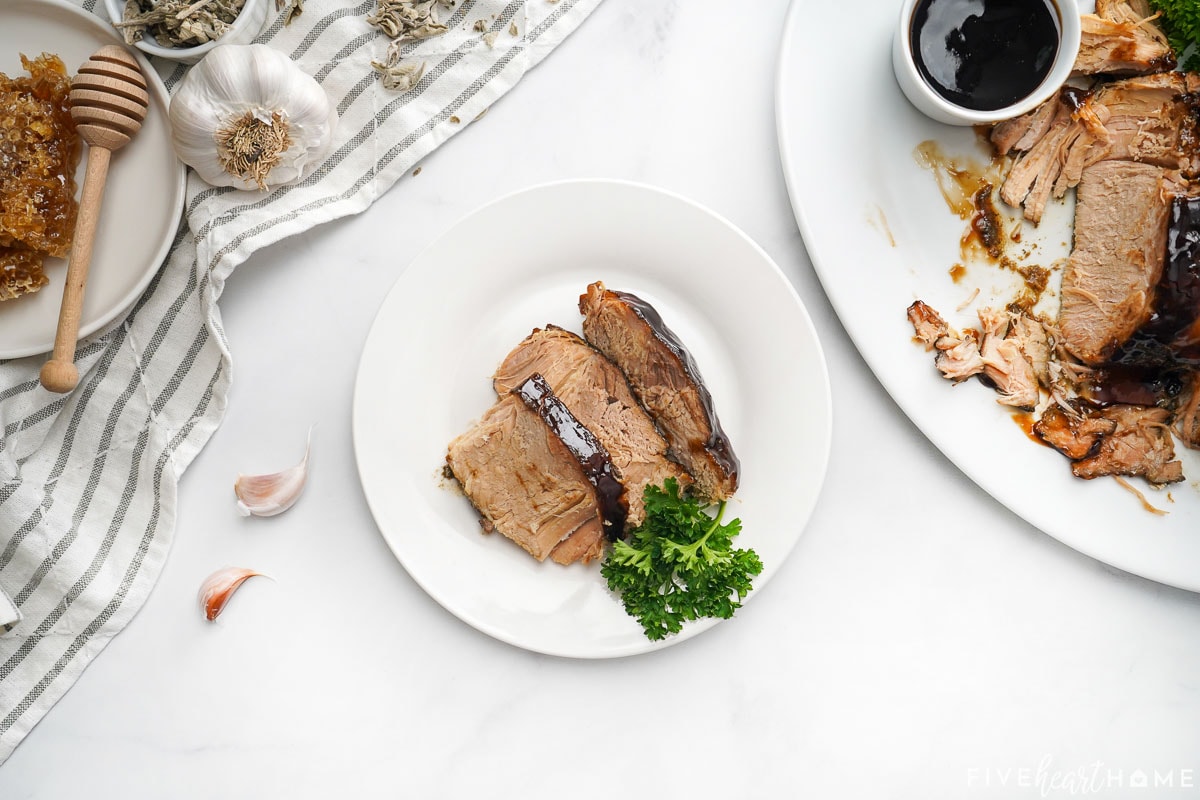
[
  {"x": 120, "y": 308},
  {"x": 822, "y": 372}
]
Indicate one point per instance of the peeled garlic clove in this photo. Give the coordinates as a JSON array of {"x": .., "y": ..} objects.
[
  {"x": 220, "y": 586},
  {"x": 268, "y": 495}
]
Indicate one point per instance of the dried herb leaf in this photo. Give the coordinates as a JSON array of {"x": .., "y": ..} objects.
[
  {"x": 178, "y": 23},
  {"x": 404, "y": 21},
  {"x": 399, "y": 76},
  {"x": 407, "y": 20}
]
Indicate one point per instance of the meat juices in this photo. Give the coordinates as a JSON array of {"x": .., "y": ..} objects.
[{"x": 666, "y": 380}]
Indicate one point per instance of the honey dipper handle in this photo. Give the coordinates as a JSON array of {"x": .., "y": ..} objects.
[{"x": 59, "y": 373}]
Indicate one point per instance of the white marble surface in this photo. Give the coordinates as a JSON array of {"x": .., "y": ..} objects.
[{"x": 921, "y": 641}]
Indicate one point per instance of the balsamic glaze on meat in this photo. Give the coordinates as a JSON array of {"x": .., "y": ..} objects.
[{"x": 595, "y": 461}]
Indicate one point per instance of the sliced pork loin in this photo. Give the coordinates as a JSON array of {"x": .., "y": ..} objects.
[
  {"x": 1139, "y": 445},
  {"x": 1031, "y": 179},
  {"x": 1013, "y": 356},
  {"x": 597, "y": 394},
  {"x": 1072, "y": 432},
  {"x": 590, "y": 453},
  {"x": 1148, "y": 119},
  {"x": 957, "y": 356},
  {"x": 1122, "y": 39},
  {"x": 528, "y": 484},
  {"x": 1022, "y": 133},
  {"x": 1128, "y": 440},
  {"x": 664, "y": 377},
  {"x": 1120, "y": 239}
]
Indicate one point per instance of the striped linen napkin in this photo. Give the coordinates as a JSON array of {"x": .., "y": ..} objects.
[{"x": 88, "y": 481}]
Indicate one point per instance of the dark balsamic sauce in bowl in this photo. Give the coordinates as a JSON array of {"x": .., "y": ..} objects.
[{"x": 984, "y": 54}]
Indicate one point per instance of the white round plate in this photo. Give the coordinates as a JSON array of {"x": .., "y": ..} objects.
[
  {"x": 880, "y": 236},
  {"x": 520, "y": 263},
  {"x": 143, "y": 195}
]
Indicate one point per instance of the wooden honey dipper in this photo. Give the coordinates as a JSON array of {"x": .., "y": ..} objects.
[{"x": 108, "y": 103}]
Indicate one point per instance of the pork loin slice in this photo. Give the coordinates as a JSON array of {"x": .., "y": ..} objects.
[
  {"x": 1030, "y": 181},
  {"x": 1074, "y": 434},
  {"x": 524, "y": 481},
  {"x": 1120, "y": 237},
  {"x": 1122, "y": 39},
  {"x": 596, "y": 392},
  {"x": 1147, "y": 119},
  {"x": 957, "y": 356},
  {"x": 664, "y": 377},
  {"x": 1140, "y": 444},
  {"x": 591, "y": 456},
  {"x": 1023, "y": 132}
]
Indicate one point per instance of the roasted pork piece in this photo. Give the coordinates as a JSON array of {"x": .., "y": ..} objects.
[
  {"x": 527, "y": 483},
  {"x": 589, "y": 452},
  {"x": 1114, "y": 440},
  {"x": 666, "y": 381},
  {"x": 1012, "y": 356},
  {"x": 1140, "y": 444},
  {"x": 1120, "y": 240},
  {"x": 1122, "y": 39},
  {"x": 598, "y": 396},
  {"x": 1147, "y": 119},
  {"x": 1072, "y": 432}
]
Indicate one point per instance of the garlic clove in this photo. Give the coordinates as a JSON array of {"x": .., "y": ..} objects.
[
  {"x": 268, "y": 495},
  {"x": 220, "y": 586}
]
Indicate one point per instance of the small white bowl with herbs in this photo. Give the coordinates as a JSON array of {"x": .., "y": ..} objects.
[{"x": 186, "y": 30}]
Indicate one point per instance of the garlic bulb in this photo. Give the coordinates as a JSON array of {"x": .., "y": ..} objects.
[
  {"x": 248, "y": 116},
  {"x": 268, "y": 495}
]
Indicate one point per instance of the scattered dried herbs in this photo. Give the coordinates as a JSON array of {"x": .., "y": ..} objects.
[
  {"x": 398, "y": 75},
  {"x": 405, "y": 21},
  {"x": 178, "y": 23},
  {"x": 408, "y": 20}
]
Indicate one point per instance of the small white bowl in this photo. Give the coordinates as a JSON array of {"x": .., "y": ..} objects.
[
  {"x": 938, "y": 108},
  {"x": 245, "y": 28}
]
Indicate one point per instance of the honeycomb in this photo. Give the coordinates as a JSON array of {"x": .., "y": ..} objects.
[
  {"x": 39, "y": 151},
  {"x": 20, "y": 272}
]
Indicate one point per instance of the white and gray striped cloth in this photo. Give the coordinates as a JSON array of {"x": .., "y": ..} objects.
[{"x": 88, "y": 481}]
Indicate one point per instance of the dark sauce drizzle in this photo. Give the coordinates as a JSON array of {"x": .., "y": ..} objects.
[
  {"x": 592, "y": 456},
  {"x": 718, "y": 443},
  {"x": 1152, "y": 367}
]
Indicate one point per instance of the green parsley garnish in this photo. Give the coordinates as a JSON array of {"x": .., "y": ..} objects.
[
  {"x": 679, "y": 564},
  {"x": 1180, "y": 21}
]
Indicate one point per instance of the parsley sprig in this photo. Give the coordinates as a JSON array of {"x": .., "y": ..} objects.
[
  {"x": 1181, "y": 23},
  {"x": 679, "y": 564}
]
